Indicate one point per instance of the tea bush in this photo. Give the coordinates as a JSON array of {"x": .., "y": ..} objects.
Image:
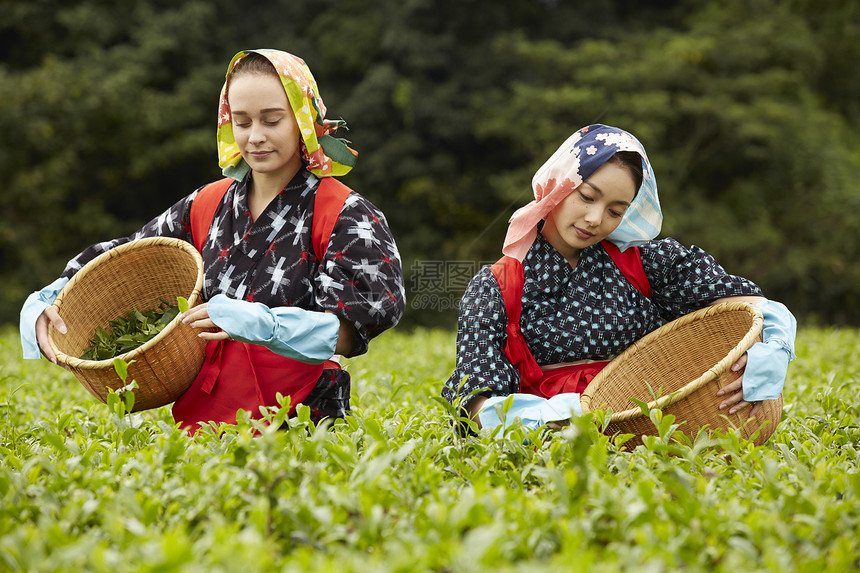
[{"x": 85, "y": 486}]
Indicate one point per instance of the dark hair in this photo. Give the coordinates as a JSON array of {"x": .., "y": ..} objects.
[
  {"x": 252, "y": 63},
  {"x": 633, "y": 162}
]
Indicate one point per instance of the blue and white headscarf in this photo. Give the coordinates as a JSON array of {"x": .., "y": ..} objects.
[{"x": 575, "y": 161}]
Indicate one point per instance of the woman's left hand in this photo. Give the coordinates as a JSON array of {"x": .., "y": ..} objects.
[
  {"x": 198, "y": 317},
  {"x": 735, "y": 390}
]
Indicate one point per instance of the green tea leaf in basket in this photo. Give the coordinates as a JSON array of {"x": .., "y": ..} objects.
[
  {"x": 130, "y": 331},
  {"x": 169, "y": 315},
  {"x": 125, "y": 339},
  {"x": 182, "y": 303}
]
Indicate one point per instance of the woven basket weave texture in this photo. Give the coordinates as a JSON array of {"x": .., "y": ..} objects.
[
  {"x": 134, "y": 275},
  {"x": 685, "y": 362}
]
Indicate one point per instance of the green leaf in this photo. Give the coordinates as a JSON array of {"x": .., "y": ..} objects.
[
  {"x": 112, "y": 400},
  {"x": 643, "y": 406},
  {"x": 121, "y": 368},
  {"x": 168, "y": 316},
  {"x": 129, "y": 399},
  {"x": 128, "y": 435},
  {"x": 105, "y": 353}
]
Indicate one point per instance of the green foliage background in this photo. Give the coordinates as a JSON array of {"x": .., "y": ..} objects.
[
  {"x": 84, "y": 487},
  {"x": 750, "y": 111}
]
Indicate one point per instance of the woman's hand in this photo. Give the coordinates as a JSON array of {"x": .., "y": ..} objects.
[
  {"x": 198, "y": 317},
  {"x": 735, "y": 401},
  {"x": 49, "y": 315}
]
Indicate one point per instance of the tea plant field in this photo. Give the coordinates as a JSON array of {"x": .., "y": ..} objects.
[{"x": 85, "y": 487}]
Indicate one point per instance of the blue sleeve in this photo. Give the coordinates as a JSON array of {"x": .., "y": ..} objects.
[
  {"x": 532, "y": 411},
  {"x": 767, "y": 361},
  {"x": 290, "y": 331},
  {"x": 35, "y": 304}
]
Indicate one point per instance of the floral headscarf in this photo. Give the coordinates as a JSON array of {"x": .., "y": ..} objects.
[
  {"x": 324, "y": 154},
  {"x": 575, "y": 161}
]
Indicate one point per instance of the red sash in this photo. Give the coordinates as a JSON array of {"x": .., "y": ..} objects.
[
  {"x": 239, "y": 375},
  {"x": 328, "y": 202},
  {"x": 575, "y": 377}
]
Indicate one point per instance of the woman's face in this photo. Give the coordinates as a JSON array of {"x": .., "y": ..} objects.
[
  {"x": 591, "y": 211},
  {"x": 264, "y": 126}
]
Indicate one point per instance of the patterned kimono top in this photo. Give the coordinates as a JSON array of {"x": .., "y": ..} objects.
[
  {"x": 588, "y": 312},
  {"x": 271, "y": 261}
]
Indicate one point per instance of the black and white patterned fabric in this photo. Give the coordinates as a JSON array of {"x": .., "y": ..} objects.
[
  {"x": 271, "y": 261},
  {"x": 588, "y": 312}
]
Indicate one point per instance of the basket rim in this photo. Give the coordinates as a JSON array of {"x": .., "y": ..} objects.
[
  {"x": 745, "y": 343},
  {"x": 76, "y": 362}
]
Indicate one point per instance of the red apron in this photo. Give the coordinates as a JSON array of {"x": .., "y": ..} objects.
[
  {"x": 548, "y": 382},
  {"x": 239, "y": 375}
]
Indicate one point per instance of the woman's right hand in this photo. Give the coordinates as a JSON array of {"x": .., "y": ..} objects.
[
  {"x": 51, "y": 315},
  {"x": 198, "y": 317}
]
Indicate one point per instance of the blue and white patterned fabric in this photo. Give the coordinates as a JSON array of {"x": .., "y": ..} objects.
[
  {"x": 574, "y": 161},
  {"x": 588, "y": 312}
]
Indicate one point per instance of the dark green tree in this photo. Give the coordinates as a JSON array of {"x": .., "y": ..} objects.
[
  {"x": 755, "y": 160},
  {"x": 748, "y": 109}
]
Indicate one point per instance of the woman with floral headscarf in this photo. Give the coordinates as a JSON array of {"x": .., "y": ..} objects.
[
  {"x": 297, "y": 268},
  {"x": 581, "y": 280}
]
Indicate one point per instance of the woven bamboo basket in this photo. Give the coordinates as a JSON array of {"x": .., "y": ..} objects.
[
  {"x": 133, "y": 275},
  {"x": 686, "y": 361}
]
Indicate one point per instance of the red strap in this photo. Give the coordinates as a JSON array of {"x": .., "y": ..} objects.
[
  {"x": 328, "y": 203},
  {"x": 202, "y": 402},
  {"x": 509, "y": 274},
  {"x": 629, "y": 263},
  {"x": 565, "y": 379},
  {"x": 203, "y": 209}
]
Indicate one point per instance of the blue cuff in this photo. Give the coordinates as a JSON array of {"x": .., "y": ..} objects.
[
  {"x": 767, "y": 361},
  {"x": 764, "y": 375},
  {"x": 780, "y": 326},
  {"x": 296, "y": 333},
  {"x": 33, "y": 307},
  {"x": 533, "y": 411}
]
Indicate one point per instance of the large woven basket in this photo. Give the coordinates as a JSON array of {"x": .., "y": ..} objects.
[
  {"x": 686, "y": 361},
  {"x": 134, "y": 275}
]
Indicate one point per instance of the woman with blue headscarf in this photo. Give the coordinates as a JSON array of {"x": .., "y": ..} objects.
[{"x": 581, "y": 280}]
